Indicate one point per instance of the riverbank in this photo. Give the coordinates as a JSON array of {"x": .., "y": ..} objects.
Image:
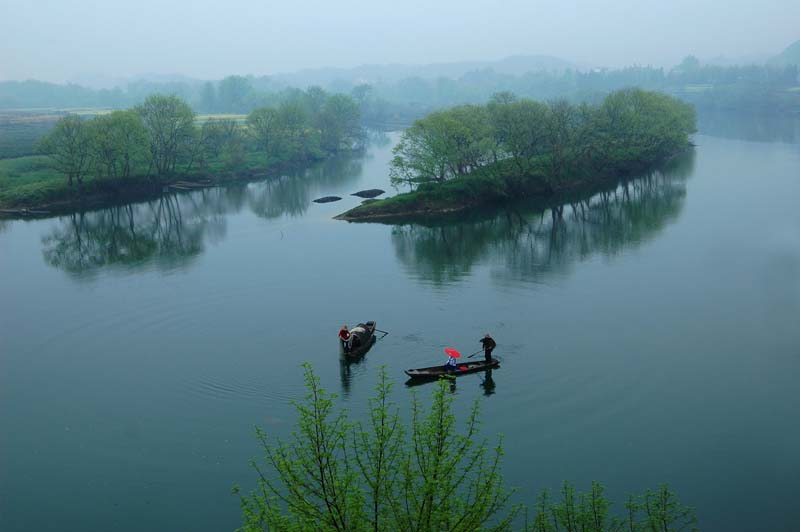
[
  {"x": 29, "y": 188},
  {"x": 494, "y": 185}
]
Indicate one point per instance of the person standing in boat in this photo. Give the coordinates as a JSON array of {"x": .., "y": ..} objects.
[
  {"x": 488, "y": 346},
  {"x": 344, "y": 337}
]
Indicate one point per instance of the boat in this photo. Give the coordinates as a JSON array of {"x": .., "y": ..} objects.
[
  {"x": 434, "y": 372},
  {"x": 362, "y": 336}
]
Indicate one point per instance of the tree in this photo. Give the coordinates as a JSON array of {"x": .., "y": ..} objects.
[
  {"x": 336, "y": 475},
  {"x": 315, "y": 96},
  {"x": 170, "y": 126},
  {"x": 339, "y": 122},
  {"x": 293, "y": 121},
  {"x": 263, "y": 128},
  {"x": 655, "y": 511},
  {"x": 519, "y": 128},
  {"x": 208, "y": 98},
  {"x": 118, "y": 143},
  {"x": 422, "y": 154},
  {"x": 233, "y": 94},
  {"x": 68, "y": 146},
  {"x": 443, "y": 145},
  {"x": 220, "y": 138}
]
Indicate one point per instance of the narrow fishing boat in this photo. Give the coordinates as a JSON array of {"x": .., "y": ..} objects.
[
  {"x": 362, "y": 336},
  {"x": 435, "y": 372}
]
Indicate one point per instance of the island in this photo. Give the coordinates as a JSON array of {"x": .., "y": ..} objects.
[{"x": 511, "y": 148}]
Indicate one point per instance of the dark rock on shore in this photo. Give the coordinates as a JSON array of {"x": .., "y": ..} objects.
[
  {"x": 327, "y": 199},
  {"x": 369, "y": 193}
]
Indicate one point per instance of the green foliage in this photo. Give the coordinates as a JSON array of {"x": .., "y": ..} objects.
[
  {"x": 233, "y": 94},
  {"x": 339, "y": 123},
  {"x": 305, "y": 125},
  {"x": 169, "y": 122},
  {"x": 655, "y": 511},
  {"x": 69, "y": 146},
  {"x": 118, "y": 144},
  {"x": 221, "y": 139},
  {"x": 334, "y": 474},
  {"x": 555, "y": 143},
  {"x": 160, "y": 140},
  {"x": 337, "y": 475}
]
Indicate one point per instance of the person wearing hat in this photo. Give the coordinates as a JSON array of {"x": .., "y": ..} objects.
[
  {"x": 344, "y": 337},
  {"x": 488, "y": 346}
]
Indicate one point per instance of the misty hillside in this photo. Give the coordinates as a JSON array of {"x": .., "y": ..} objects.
[
  {"x": 790, "y": 56},
  {"x": 512, "y": 65}
]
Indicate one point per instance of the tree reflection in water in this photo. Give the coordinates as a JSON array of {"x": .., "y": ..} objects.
[
  {"x": 291, "y": 194},
  {"x": 536, "y": 241},
  {"x": 168, "y": 232},
  {"x": 172, "y": 230}
]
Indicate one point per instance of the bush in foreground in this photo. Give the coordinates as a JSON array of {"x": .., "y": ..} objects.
[{"x": 334, "y": 474}]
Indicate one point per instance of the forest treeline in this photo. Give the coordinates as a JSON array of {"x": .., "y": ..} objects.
[
  {"x": 746, "y": 87},
  {"x": 514, "y": 146},
  {"x": 162, "y": 137}
]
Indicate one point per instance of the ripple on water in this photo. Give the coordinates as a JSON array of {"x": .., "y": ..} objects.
[{"x": 255, "y": 390}]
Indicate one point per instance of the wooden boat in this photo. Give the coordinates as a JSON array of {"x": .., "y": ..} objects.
[
  {"x": 434, "y": 372},
  {"x": 362, "y": 336}
]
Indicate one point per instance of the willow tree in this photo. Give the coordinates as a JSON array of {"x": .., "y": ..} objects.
[{"x": 170, "y": 127}]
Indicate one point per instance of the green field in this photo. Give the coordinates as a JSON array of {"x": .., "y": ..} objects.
[{"x": 29, "y": 180}]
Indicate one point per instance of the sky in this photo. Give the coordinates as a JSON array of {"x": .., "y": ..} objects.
[{"x": 60, "y": 40}]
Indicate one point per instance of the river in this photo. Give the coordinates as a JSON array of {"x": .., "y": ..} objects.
[{"x": 649, "y": 334}]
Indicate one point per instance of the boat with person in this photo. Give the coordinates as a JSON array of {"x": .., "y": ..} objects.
[
  {"x": 361, "y": 339},
  {"x": 434, "y": 372}
]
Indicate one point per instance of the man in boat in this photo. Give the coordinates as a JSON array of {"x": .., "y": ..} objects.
[
  {"x": 344, "y": 337},
  {"x": 488, "y": 346}
]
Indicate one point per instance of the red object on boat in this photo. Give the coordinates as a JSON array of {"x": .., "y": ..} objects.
[{"x": 452, "y": 352}]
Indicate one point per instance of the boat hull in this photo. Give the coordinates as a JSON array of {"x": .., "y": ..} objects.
[
  {"x": 434, "y": 372},
  {"x": 365, "y": 342}
]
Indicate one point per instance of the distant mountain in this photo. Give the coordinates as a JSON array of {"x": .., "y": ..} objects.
[
  {"x": 390, "y": 73},
  {"x": 790, "y": 56}
]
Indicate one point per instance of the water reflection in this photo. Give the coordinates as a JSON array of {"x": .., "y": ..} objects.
[
  {"x": 291, "y": 194},
  {"x": 488, "y": 384},
  {"x": 168, "y": 232},
  {"x": 172, "y": 230},
  {"x": 346, "y": 366},
  {"x": 532, "y": 242}
]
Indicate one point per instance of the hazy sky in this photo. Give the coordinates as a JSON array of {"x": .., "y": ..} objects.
[{"x": 60, "y": 39}]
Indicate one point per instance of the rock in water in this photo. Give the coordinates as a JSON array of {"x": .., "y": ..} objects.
[
  {"x": 370, "y": 193},
  {"x": 327, "y": 199}
]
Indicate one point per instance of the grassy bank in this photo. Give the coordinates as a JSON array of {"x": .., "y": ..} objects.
[
  {"x": 29, "y": 183},
  {"x": 497, "y": 184}
]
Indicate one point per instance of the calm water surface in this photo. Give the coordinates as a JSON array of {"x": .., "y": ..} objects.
[{"x": 648, "y": 334}]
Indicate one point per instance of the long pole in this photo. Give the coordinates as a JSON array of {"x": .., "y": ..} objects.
[{"x": 475, "y": 353}]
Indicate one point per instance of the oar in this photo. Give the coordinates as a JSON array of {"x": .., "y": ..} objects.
[
  {"x": 384, "y": 332},
  {"x": 475, "y": 353}
]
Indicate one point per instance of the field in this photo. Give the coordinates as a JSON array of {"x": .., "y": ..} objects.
[{"x": 29, "y": 179}]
